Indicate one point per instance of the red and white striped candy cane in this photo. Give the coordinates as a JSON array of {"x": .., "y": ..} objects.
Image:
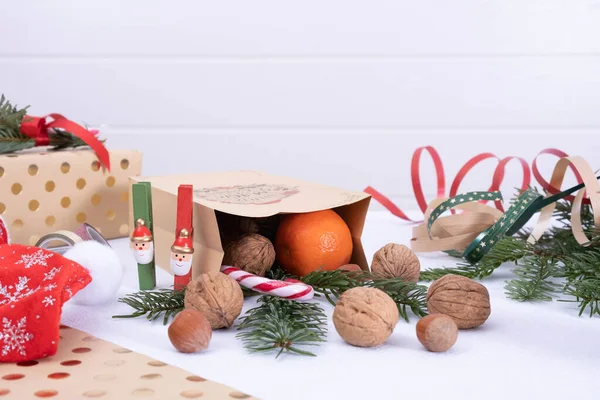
[{"x": 290, "y": 289}]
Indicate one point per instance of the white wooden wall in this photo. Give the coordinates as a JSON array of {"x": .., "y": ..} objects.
[{"x": 337, "y": 91}]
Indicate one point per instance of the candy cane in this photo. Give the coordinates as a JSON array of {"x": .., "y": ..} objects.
[{"x": 290, "y": 289}]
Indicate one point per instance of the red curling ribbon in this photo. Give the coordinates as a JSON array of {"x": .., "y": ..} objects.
[
  {"x": 545, "y": 184},
  {"x": 497, "y": 179},
  {"x": 37, "y": 129},
  {"x": 416, "y": 183}
]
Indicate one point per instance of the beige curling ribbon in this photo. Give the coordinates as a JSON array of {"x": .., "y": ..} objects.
[
  {"x": 453, "y": 232},
  {"x": 591, "y": 187}
]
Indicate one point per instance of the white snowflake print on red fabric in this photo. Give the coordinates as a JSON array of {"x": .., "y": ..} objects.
[
  {"x": 13, "y": 293},
  {"x": 48, "y": 276},
  {"x": 34, "y": 284},
  {"x": 14, "y": 336},
  {"x": 50, "y": 287},
  {"x": 48, "y": 301},
  {"x": 37, "y": 258}
]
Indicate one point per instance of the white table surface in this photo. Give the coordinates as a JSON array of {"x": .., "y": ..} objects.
[{"x": 524, "y": 350}]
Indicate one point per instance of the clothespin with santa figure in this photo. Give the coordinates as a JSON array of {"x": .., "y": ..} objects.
[
  {"x": 142, "y": 239},
  {"x": 182, "y": 251}
]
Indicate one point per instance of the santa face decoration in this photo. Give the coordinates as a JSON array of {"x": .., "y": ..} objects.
[
  {"x": 142, "y": 243},
  {"x": 181, "y": 263},
  {"x": 143, "y": 252}
]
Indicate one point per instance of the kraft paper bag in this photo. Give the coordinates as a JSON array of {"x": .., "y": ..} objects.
[{"x": 245, "y": 194}]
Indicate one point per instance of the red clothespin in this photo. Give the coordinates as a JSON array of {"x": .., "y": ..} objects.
[{"x": 182, "y": 250}]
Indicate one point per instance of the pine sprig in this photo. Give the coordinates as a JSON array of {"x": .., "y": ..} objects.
[
  {"x": 509, "y": 249},
  {"x": 282, "y": 325},
  {"x": 406, "y": 295},
  {"x": 533, "y": 280},
  {"x": 154, "y": 304},
  {"x": 332, "y": 284},
  {"x": 586, "y": 293},
  {"x": 11, "y": 138}
]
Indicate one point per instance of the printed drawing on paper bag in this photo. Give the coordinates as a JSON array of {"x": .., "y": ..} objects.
[{"x": 257, "y": 194}]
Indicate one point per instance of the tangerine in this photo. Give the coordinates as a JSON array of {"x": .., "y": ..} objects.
[{"x": 306, "y": 242}]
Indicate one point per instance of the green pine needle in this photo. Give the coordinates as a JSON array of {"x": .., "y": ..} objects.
[
  {"x": 281, "y": 325},
  {"x": 586, "y": 293},
  {"x": 509, "y": 249},
  {"x": 154, "y": 304},
  {"x": 533, "y": 280}
]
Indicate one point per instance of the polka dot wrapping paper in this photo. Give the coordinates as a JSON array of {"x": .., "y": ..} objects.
[
  {"x": 43, "y": 192},
  {"x": 86, "y": 367}
]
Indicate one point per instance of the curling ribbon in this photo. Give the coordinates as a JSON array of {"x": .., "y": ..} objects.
[
  {"x": 415, "y": 174},
  {"x": 510, "y": 222},
  {"x": 37, "y": 129}
]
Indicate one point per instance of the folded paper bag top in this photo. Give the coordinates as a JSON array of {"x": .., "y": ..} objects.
[{"x": 247, "y": 194}]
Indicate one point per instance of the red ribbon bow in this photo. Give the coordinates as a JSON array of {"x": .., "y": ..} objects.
[{"x": 37, "y": 128}]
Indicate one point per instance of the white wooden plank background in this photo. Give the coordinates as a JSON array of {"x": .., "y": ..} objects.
[
  {"x": 310, "y": 27},
  {"x": 339, "y": 92}
]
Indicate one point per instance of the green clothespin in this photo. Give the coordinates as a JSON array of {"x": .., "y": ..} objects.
[{"x": 142, "y": 239}]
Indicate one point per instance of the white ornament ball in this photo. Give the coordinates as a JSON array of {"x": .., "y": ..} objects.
[{"x": 105, "y": 269}]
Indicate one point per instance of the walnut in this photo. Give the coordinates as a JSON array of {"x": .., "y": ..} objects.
[
  {"x": 252, "y": 253},
  {"x": 464, "y": 300},
  {"x": 365, "y": 316},
  {"x": 216, "y": 295},
  {"x": 396, "y": 260}
]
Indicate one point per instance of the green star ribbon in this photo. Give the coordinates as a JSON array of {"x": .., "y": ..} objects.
[
  {"x": 457, "y": 200},
  {"x": 513, "y": 219}
]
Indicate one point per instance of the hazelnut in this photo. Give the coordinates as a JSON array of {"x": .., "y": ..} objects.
[
  {"x": 252, "y": 253},
  {"x": 437, "y": 332},
  {"x": 190, "y": 331},
  {"x": 365, "y": 316},
  {"x": 216, "y": 295},
  {"x": 351, "y": 268},
  {"x": 396, "y": 261},
  {"x": 464, "y": 300}
]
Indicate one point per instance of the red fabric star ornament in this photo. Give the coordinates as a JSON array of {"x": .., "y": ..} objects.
[{"x": 34, "y": 284}]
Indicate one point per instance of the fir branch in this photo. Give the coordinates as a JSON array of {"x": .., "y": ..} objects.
[
  {"x": 509, "y": 249},
  {"x": 153, "y": 304},
  {"x": 11, "y": 138},
  {"x": 533, "y": 280},
  {"x": 332, "y": 284},
  {"x": 586, "y": 293},
  {"x": 406, "y": 295},
  {"x": 282, "y": 325}
]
